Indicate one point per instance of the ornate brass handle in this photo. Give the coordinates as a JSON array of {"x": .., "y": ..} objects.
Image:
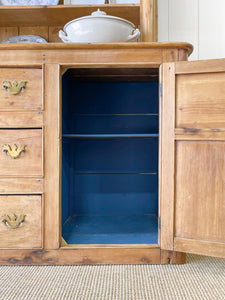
[
  {"x": 14, "y": 88},
  {"x": 14, "y": 221},
  {"x": 13, "y": 151}
]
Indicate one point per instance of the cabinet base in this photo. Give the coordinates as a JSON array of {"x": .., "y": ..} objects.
[{"x": 91, "y": 256}]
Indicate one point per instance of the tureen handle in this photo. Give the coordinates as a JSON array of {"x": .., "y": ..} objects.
[
  {"x": 132, "y": 37},
  {"x": 63, "y": 37}
]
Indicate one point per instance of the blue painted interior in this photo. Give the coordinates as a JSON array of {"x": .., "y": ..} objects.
[
  {"x": 111, "y": 229},
  {"x": 109, "y": 162},
  {"x": 65, "y": 211},
  {"x": 118, "y": 135},
  {"x": 113, "y": 155},
  {"x": 110, "y": 107},
  {"x": 114, "y": 97},
  {"x": 115, "y": 193},
  {"x": 112, "y": 124}
]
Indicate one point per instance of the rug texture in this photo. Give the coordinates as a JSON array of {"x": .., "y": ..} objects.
[{"x": 200, "y": 278}]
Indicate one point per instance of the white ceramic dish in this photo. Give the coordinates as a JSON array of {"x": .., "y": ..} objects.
[
  {"x": 24, "y": 39},
  {"x": 99, "y": 28},
  {"x": 81, "y": 2},
  {"x": 29, "y": 2}
]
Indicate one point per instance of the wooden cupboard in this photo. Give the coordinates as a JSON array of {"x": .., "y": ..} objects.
[
  {"x": 111, "y": 153},
  {"x": 89, "y": 120}
]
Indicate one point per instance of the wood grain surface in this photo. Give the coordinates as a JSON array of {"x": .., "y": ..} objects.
[
  {"x": 195, "y": 213},
  {"x": 149, "y": 20},
  {"x": 167, "y": 155},
  {"x": 21, "y": 119},
  {"x": 15, "y": 185},
  {"x": 200, "y": 190},
  {"x": 30, "y": 97},
  {"x": 29, "y": 233},
  {"x": 200, "y": 100},
  {"x": 29, "y": 163},
  {"x": 52, "y": 221}
]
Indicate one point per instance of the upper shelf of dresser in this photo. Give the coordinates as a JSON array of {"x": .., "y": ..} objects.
[{"x": 58, "y": 15}]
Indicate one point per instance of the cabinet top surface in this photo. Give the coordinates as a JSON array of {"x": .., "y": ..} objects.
[{"x": 112, "y": 46}]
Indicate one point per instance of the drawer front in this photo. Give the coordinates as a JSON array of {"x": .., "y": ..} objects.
[
  {"x": 21, "y": 221},
  {"x": 20, "y": 88},
  {"x": 21, "y": 152},
  {"x": 21, "y": 185},
  {"x": 21, "y": 119}
]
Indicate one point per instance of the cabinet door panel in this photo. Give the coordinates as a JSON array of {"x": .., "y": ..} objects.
[
  {"x": 192, "y": 202},
  {"x": 200, "y": 100},
  {"x": 200, "y": 190}
]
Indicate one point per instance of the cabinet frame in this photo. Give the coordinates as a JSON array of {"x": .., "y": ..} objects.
[{"x": 55, "y": 59}]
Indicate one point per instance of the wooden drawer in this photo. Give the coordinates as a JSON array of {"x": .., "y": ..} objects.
[
  {"x": 21, "y": 119},
  {"x": 27, "y": 212},
  {"x": 29, "y": 97},
  {"x": 21, "y": 185},
  {"x": 29, "y": 162}
]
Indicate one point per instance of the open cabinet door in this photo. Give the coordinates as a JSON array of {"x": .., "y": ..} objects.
[{"x": 192, "y": 185}]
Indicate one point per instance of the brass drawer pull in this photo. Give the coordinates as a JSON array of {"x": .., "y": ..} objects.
[
  {"x": 14, "y": 88},
  {"x": 14, "y": 151},
  {"x": 14, "y": 221}
]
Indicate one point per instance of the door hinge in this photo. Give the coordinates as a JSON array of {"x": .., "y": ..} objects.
[
  {"x": 159, "y": 223},
  {"x": 161, "y": 89}
]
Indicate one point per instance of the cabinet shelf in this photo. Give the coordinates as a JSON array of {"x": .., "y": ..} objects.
[
  {"x": 111, "y": 229},
  {"x": 116, "y": 174},
  {"x": 59, "y": 15},
  {"x": 102, "y": 136}
]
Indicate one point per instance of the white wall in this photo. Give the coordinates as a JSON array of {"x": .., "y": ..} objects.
[{"x": 199, "y": 22}]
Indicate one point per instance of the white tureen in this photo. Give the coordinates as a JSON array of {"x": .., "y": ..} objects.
[{"x": 99, "y": 28}]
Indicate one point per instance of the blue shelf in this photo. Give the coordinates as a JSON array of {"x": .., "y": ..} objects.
[
  {"x": 101, "y": 136},
  {"x": 116, "y": 174},
  {"x": 111, "y": 229}
]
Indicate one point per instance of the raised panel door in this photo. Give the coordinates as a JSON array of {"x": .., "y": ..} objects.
[{"x": 193, "y": 157}]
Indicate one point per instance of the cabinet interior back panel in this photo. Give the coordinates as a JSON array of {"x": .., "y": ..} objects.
[
  {"x": 113, "y": 155},
  {"x": 128, "y": 194},
  {"x": 111, "y": 124},
  {"x": 114, "y": 97}
]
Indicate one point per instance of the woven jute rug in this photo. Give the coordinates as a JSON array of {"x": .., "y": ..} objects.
[{"x": 200, "y": 278}]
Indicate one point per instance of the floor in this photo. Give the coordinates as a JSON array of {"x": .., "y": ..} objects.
[{"x": 201, "y": 278}]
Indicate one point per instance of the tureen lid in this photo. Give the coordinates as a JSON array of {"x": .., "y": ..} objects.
[{"x": 99, "y": 14}]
